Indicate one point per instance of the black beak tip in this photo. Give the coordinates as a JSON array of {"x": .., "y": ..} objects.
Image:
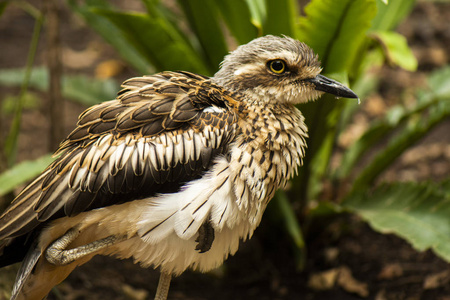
[
  {"x": 347, "y": 93},
  {"x": 330, "y": 86}
]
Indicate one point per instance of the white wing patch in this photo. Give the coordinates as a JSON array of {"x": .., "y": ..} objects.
[{"x": 214, "y": 109}]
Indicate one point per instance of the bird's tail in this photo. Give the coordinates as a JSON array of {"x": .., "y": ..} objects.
[
  {"x": 20, "y": 217},
  {"x": 25, "y": 270}
]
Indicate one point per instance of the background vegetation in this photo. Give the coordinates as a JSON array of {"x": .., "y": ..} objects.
[{"x": 352, "y": 38}]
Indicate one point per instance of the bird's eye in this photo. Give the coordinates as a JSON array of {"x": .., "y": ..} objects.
[{"x": 277, "y": 66}]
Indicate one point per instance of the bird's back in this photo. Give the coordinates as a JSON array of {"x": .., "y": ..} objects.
[{"x": 149, "y": 140}]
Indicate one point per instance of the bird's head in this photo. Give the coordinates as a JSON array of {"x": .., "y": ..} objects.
[{"x": 277, "y": 69}]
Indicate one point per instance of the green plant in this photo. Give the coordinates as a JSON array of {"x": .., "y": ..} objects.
[
  {"x": 8, "y": 144},
  {"x": 75, "y": 87}
]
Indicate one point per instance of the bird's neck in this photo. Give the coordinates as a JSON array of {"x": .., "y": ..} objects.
[
  {"x": 279, "y": 132},
  {"x": 268, "y": 151},
  {"x": 272, "y": 125}
]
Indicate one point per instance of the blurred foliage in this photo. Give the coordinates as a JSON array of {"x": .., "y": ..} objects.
[
  {"x": 79, "y": 88},
  {"x": 21, "y": 173},
  {"x": 351, "y": 37},
  {"x": 8, "y": 147}
]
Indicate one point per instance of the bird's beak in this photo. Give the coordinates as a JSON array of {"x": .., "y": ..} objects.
[{"x": 327, "y": 85}]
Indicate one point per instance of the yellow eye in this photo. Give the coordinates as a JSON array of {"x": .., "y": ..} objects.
[{"x": 277, "y": 66}]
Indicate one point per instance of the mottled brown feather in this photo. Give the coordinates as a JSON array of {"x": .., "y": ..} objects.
[{"x": 164, "y": 104}]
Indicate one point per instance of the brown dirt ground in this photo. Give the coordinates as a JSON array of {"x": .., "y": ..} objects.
[{"x": 373, "y": 265}]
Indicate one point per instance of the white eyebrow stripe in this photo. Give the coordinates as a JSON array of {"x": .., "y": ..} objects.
[{"x": 248, "y": 68}]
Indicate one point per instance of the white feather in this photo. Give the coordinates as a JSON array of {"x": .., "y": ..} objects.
[
  {"x": 116, "y": 157},
  {"x": 214, "y": 109},
  {"x": 152, "y": 158},
  {"x": 126, "y": 155}
]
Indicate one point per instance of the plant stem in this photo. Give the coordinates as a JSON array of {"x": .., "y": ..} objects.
[{"x": 11, "y": 139}]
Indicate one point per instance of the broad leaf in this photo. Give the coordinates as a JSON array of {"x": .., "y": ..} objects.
[
  {"x": 419, "y": 213},
  {"x": 89, "y": 91},
  {"x": 14, "y": 77},
  {"x": 157, "y": 35},
  {"x": 396, "y": 50},
  {"x": 22, "y": 172},
  {"x": 439, "y": 83},
  {"x": 336, "y": 29},
  {"x": 204, "y": 21},
  {"x": 390, "y": 15},
  {"x": 281, "y": 17},
  {"x": 236, "y": 15},
  {"x": 111, "y": 33}
]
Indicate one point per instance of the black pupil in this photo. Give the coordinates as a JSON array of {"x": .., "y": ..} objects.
[{"x": 277, "y": 65}]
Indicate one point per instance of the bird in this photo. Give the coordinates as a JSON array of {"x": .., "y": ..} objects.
[{"x": 173, "y": 173}]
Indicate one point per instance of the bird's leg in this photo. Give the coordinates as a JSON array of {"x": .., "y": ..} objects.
[
  {"x": 163, "y": 286},
  {"x": 58, "y": 254}
]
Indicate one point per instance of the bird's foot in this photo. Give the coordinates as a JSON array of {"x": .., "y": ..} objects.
[{"x": 58, "y": 254}]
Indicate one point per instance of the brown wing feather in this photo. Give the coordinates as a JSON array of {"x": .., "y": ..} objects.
[{"x": 150, "y": 139}]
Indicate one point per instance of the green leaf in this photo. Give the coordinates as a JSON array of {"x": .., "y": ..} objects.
[
  {"x": 365, "y": 142},
  {"x": 419, "y": 213},
  {"x": 324, "y": 209},
  {"x": 396, "y": 50},
  {"x": 258, "y": 12},
  {"x": 22, "y": 172},
  {"x": 236, "y": 15},
  {"x": 111, "y": 33},
  {"x": 203, "y": 18},
  {"x": 388, "y": 16},
  {"x": 14, "y": 77},
  {"x": 10, "y": 145},
  {"x": 158, "y": 34},
  {"x": 30, "y": 101},
  {"x": 89, "y": 91},
  {"x": 336, "y": 29},
  {"x": 291, "y": 222},
  {"x": 292, "y": 226},
  {"x": 80, "y": 88},
  {"x": 439, "y": 82},
  {"x": 281, "y": 17}
]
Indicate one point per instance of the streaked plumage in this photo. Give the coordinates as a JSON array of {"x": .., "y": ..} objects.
[{"x": 174, "y": 172}]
